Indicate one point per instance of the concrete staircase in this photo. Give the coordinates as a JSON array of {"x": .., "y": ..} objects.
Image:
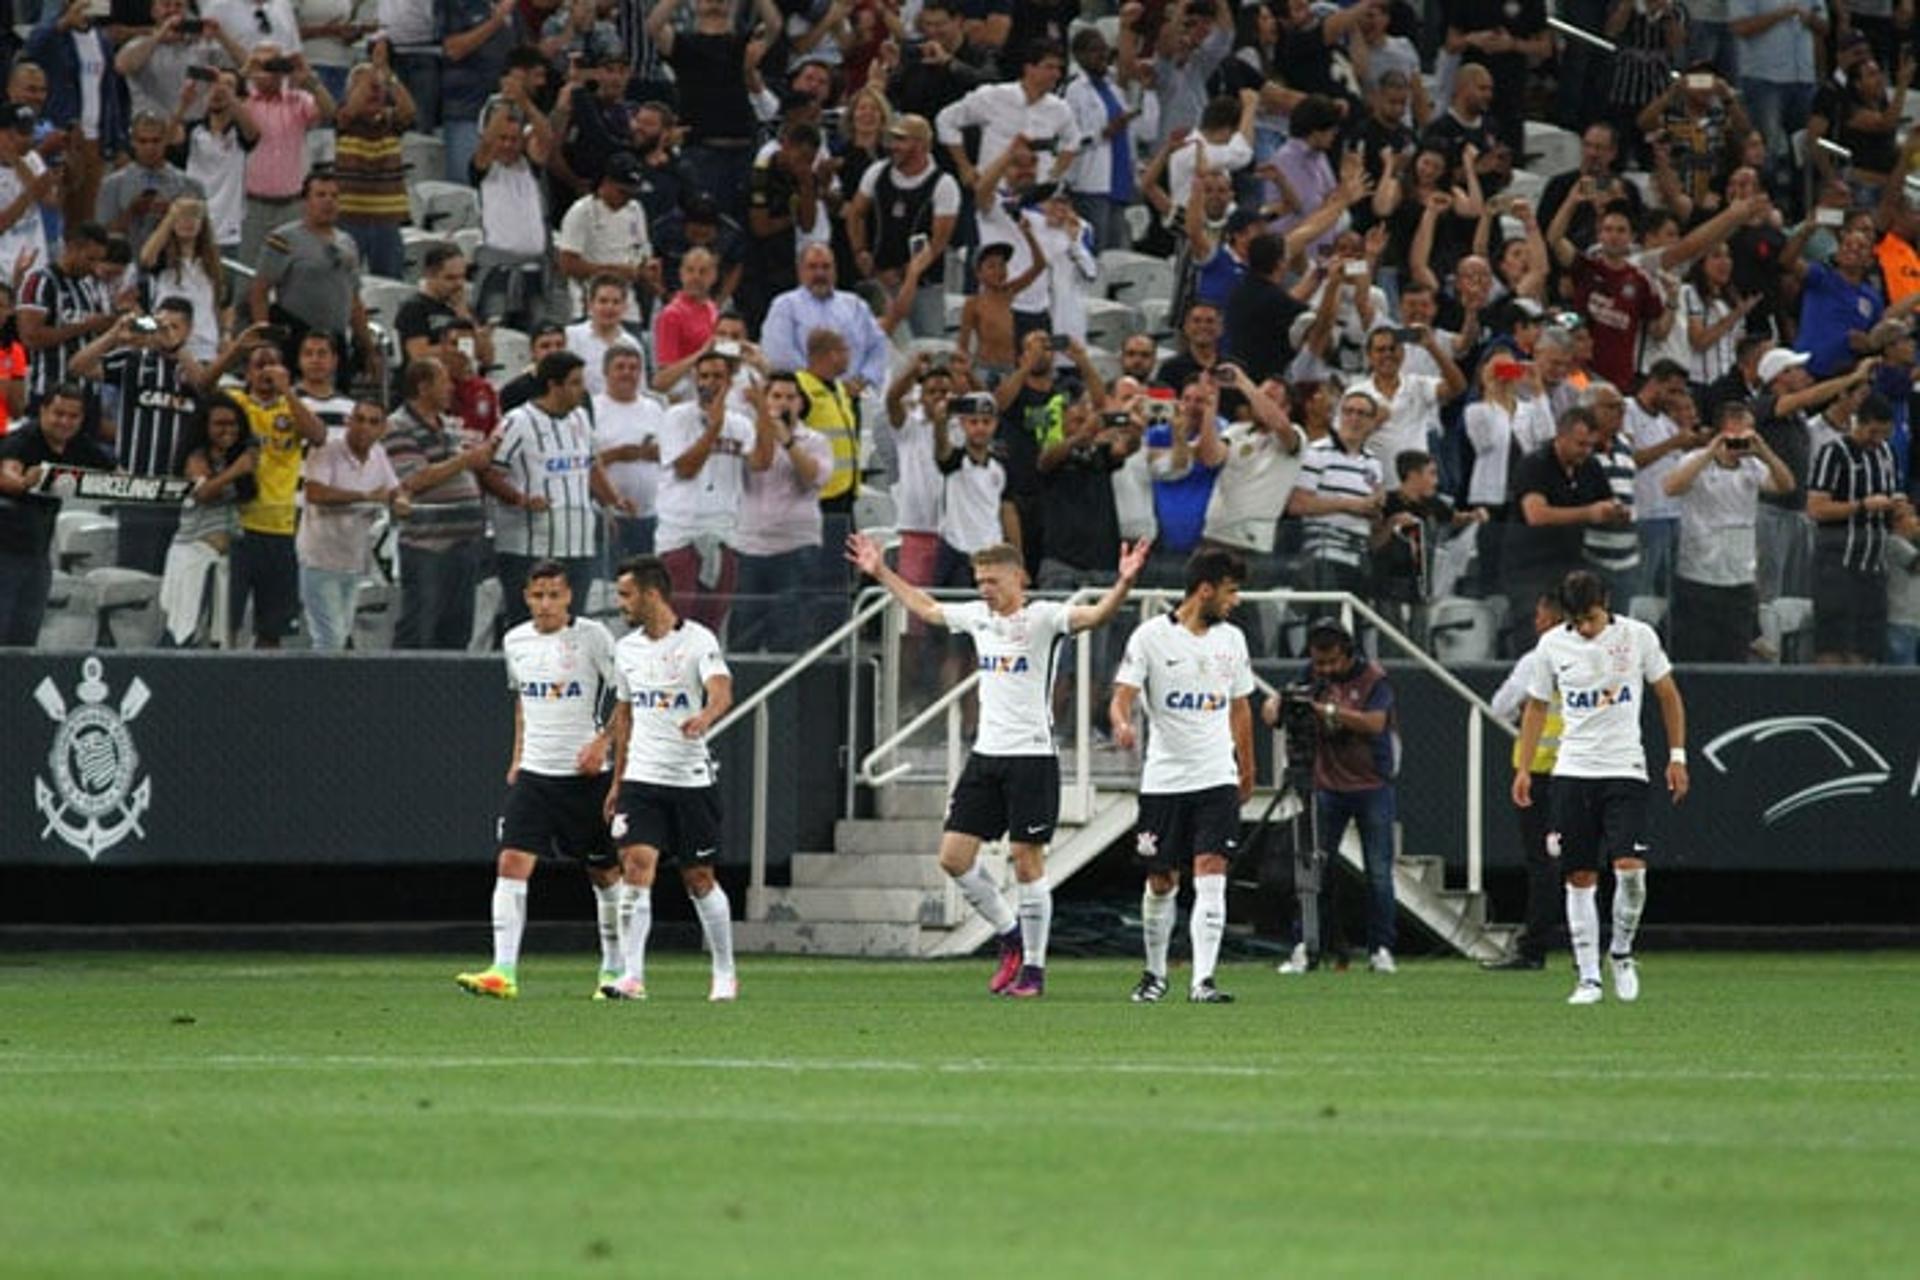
[{"x": 880, "y": 892}]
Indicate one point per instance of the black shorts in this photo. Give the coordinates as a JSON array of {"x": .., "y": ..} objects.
[
  {"x": 558, "y": 816},
  {"x": 1014, "y": 796},
  {"x": 265, "y": 567},
  {"x": 1175, "y": 826},
  {"x": 1598, "y": 820},
  {"x": 1849, "y": 611},
  {"x": 681, "y": 824}
]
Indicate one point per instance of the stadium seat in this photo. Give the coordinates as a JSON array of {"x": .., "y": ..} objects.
[
  {"x": 468, "y": 240},
  {"x": 84, "y": 540},
  {"x": 1139, "y": 221},
  {"x": 72, "y": 619},
  {"x": 1526, "y": 185},
  {"x": 512, "y": 352},
  {"x": 1158, "y": 314},
  {"x": 1462, "y": 630},
  {"x": 425, "y": 155},
  {"x": 376, "y": 607},
  {"x": 443, "y": 206},
  {"x": 1558, "y": 149},
  {"x": 415, "y": 243},
  {"x": 383, "y": 297},
  {"x": 1105, "y": 362},
  {"x": 1651, "y": 610},
  {"x": 1110, "y": 324},
  {"x": 956, "y": 303},
  {"x": 128, "y": 602},
  {"x": 1785, "y": 625},
  {"x": 1132, "y": 278},
  {"x": 874, "y": 509}
]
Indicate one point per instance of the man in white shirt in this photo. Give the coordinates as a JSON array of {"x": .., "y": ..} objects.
[
  {"x": 1011, "y": 785},
  {"x": 1410, "y": 401},
  {"x": 545, "y": 479},
  {"x": 626, "y": 438},
  {"x": 510, "y": 267},
  {"x": 1250, "y": 492},
  {"x": 609, "y": 303},
  {"x": 671, "y": 685},
  {"x": 1193, "y": 666},
  {"x": 705, "y": 449},
  {"x": 1027, "y": 108},
  {"x": 1600, "y": 665},
  {"x": 779, "y": 535},
  {"x": 604, "y": 233},
  {"x": 559, "y": 668}
]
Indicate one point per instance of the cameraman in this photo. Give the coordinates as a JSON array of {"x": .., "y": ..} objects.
[{"x": 1356, "y": 755}]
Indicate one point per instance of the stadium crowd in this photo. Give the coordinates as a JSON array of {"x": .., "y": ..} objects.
[{"x": 432, "y": 289}]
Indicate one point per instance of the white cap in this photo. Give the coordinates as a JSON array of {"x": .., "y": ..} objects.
[{"x": 1778, "y": 361}]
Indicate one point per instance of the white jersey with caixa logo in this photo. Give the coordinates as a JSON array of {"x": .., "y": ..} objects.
[
  {"x": 665, "y": 681},
  {"x": 1188, "y": 683},
  {"x": 1015, "y": 652},
  {"x": 1602, "y": 684},
  {"x": 559, "y": 677}
]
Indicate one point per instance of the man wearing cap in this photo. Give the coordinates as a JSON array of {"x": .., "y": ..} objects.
[
  {"x": 1783, "y": 535},
  {"x": 898, "y": 200},
  {"x": 590, "y": 118},
  {"x": 605, "y": 234},
  {"x": 24, "y": 184}
]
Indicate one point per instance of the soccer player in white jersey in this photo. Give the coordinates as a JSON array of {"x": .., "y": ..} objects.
[
  {"x": 1192, "y": 665},
  {"x": 1011, "y": 785},
  {"x": 1601, "y": 665},
  {"x": 559, "y": 667},
  {"x": 672, "y": 685}
]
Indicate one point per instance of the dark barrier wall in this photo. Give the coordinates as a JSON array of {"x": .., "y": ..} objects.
[
  {"x": 156, "y": 759},
  {"x": 164, "y": 759},
  {"x": 1792, "y": 770}
]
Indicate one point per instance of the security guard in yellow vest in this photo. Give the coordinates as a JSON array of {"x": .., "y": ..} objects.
[
  {"x": 1545, "y": 920},
  {"x": 834, "y": 413}
]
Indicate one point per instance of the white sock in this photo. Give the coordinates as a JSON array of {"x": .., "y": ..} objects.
[
  {"x": 1629, "y": 900},
  {"x": 1207, "y": 925},
  {"x": 1036, "y": 920},
  {"x": 627, "y": 892},
  {"x": 509, "y": 921},
  {"x": 1583, "y": 926},
  {"x": 633, "y": 940},
  {"x": 608, "y": 907},
  {"x": 1156, "y": 924},
  {"x": 716, "y": 921},
  {"x": 978, "y": 888}
]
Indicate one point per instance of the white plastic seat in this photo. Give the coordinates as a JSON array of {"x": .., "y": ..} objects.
[
  {"x": 1110, "y": 324},
  {"x": 128, "y": 601},
  {"x": 383, "y": 297},
  {"x": 72, "y": 619},
  {"x": 84, "y": 540},
  {"x": 1133, "y": 278},
  {"x": 425, "y": 155},
  {"x": 1462, "y": 629},
  {"x": 444, "y": 207},
  {"x": 512, "y": 352},
  {"x": 1651, "y": 610},
  {"x": 376, "y": 608}
]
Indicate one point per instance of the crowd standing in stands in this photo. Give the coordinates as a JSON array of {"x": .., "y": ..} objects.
[{"x": 1411, "y": 304}]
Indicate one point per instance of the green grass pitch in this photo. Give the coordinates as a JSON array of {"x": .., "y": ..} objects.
[{"x": 1753, "y": 1115}]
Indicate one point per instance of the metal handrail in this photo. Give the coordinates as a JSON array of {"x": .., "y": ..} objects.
[
  {"x": 753, "y": 701},
  {"x": 892, "y": 745}
]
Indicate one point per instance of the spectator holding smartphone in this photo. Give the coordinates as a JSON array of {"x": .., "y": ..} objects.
[
  {"x": 156, "y": 63},
  {"x": 1715, "y": 609}
]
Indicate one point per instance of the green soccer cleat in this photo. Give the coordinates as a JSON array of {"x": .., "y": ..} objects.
[
  {"x": 608, "y": 977},
  {"x": 488, "y": 982}
]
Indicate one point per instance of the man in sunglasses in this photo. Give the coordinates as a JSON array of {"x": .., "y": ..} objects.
[{"x": 309, "y": 274}]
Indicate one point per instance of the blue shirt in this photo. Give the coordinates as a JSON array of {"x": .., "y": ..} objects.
[
  {"x": 1783, "y": 53},
  {"x": 1831, "y": 307},
  {"x": 1180, "y": 505}
]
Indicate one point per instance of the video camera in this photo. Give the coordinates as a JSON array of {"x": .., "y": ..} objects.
[{"x": 1300, "y": 724}]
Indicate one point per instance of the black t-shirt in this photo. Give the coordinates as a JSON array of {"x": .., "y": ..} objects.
[
  {"x": 926, "y": 91},
  {"x": 1033, "y": 417},
  {"x": 1550, "y": 549},
  {"x": 1790, "y": 438},
  {"x": 1260, "y": 316},
  {"x": 713, "y": 97},
  {"x": 422, "y": 317},
  {"x": 26, "y": 522},
  {"x": 1175, "y": 372},
  {"x": 1083, "y": 527},
  {"x": 1305, "y": 63},
  {"x": 1403, "y": 565}
]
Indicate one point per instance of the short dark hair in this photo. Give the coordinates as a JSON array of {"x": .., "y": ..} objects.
[
  {"x": 1578, "y": 416},
  {"x": 1731, "y": 409},
  {"x": 1213, "y": 566},
  {"x": 437, "y": 255},
  {"x": 649, "y": 573},
  {"x": 546, "y": 569},
  {"x": 606, "y": 281},
  {"x": 1220, "y": 113},
  {"x": 1875, "y": 408},
  {"x": 556, "y": 367},
  {"x": 1327, "y": 634},
  {"x": 179, "y": 306},
  {"x": 1042, "y": 49},
  {"x": 327, "y": 336},
  {"x": 1550, "y": 601},
  {"x": 1408, "y": 461},
  {"x": 546, "y": 329},
  {"x": 92, "y": 232},
  {"x": 1266, "y": 253},
  {"x": 69, "y": 389},
  {"x": 1580, "y": 591},
  {"x": 419, "y": 376},
  {"x": 801, "y": 134},
  {"x": 317, "y": 176},
  {"x": 1665, "y": 369}
]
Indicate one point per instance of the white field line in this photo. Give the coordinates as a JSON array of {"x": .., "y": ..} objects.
[{"x": 67, "y": 1063}]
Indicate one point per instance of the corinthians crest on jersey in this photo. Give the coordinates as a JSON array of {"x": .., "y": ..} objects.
[{"x": 93, "y": 801}]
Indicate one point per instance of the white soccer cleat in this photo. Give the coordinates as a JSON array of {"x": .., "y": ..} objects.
[
  {"x": 1626, "y": 978},
  {"x": 1586, "y": 993},
  {"x": 1296, "y": 961},
  {"x": 1381, "y": 961},
  {"x": 725, "y": 990}
]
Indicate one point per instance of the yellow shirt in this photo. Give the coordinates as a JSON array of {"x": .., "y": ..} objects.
[
  {"x": 277, "y": 479},
  {"x": 1549, "y": 749},
  {"x": 830, "y": 412}
]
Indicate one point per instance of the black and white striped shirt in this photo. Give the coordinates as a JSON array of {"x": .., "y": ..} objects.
[
  {"x": 61, "y": 300},
  {"x": 332, "y": 410},
  {"x": 1848, "y": 471},
  {"x": 1614, "y": 547},
  {"x": 156, "y": 404},
  {"x": 547, "y": 457},
  {"x": 1330, "y": 471}
]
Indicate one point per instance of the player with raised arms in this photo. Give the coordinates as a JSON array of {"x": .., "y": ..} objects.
[
  {"x": 560, "y": 668},
  {"x": 672, "y": 684},
  {"x": 1011, "y": 785},
  {"x": 1192, "y": 665},
  {"x": 1601, "y": 665}
]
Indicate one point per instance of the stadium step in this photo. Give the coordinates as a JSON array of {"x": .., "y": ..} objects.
[
  {"x": 912, "y": 800},
  {"x": 936, "y": 907},
  {"x": 887, "y": 835},
  {"x": 789, "y": 937},
  {"x": 919, "y": 870}
]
